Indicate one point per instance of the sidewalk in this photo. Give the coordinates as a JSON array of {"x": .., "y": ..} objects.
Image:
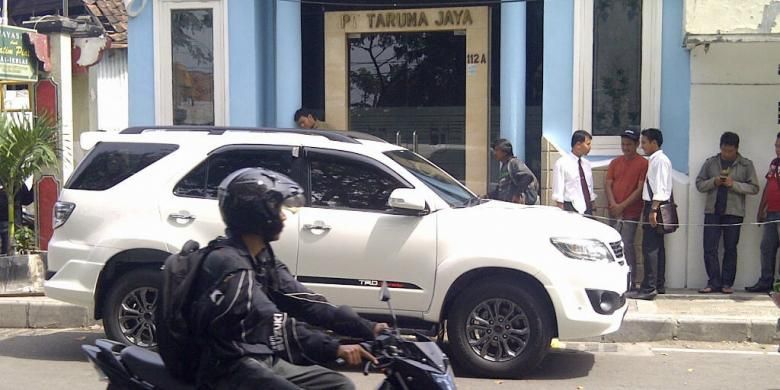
[
  {"x": 678, "y": 315},
  {"x": 688, "y": 315}
]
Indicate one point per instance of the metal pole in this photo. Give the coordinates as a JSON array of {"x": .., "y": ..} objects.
[
  {"x": 5, "y": 12},
  {"x": 65, "y": 8}
]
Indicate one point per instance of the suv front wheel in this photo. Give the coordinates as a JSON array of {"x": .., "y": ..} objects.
[
  {"x": 499, "y": 330},
  {"x": 129, "y": 308}
]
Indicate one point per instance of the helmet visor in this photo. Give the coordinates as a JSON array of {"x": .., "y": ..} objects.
[{"x": 293, "y": 203}]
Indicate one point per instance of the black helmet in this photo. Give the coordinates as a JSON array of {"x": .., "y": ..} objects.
[{"x": 250, "y": 201}]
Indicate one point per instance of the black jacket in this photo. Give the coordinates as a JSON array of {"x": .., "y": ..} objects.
[
  {"x": 23, "y": 197},
  {"x": 251, "y": 306}
]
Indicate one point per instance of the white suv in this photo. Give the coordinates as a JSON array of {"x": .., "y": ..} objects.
[{"x": 502, "y": 279}]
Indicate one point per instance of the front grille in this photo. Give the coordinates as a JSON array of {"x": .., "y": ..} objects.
[{"x": 617, "y": 248}]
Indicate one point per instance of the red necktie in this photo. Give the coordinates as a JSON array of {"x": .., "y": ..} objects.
[{"x": 584, "y": 185}]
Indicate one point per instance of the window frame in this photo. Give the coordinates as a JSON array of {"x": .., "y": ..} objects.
[
  {"x": 582, "y": 91},
  {"x": 294, "y": 164},
  {"x": 310, "y": 153},
  {"x": 163, "y": 59}
]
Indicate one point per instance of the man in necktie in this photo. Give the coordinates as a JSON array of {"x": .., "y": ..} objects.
[{"x": 573, "y": 177}]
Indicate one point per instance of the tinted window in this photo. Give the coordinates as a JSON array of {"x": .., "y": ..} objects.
[
  {"x": 342, "y": 183},
  {"x": 203, "y": 181},
  {"x": 109, "y": 163}
]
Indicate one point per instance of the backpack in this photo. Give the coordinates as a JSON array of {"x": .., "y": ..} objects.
[
  {"x": 175, "y": 340},
  {"x": 531, "y": 193}
]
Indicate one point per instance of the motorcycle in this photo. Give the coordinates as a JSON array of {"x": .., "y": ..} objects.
[{"x": 416, "y": 363}]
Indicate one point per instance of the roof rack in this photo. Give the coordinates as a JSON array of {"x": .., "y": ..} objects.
[{"x": 333, "y": 135}]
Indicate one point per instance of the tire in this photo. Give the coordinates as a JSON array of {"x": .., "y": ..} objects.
[
  {"x": 133, "y": 323},
  {"x": 528, "y": 337}
]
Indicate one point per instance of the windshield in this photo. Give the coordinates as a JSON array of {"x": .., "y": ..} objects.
[{"x": 439, "y": 181}]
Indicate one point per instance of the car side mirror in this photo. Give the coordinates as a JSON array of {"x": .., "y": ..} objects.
[{"x": 408, "y": 200}]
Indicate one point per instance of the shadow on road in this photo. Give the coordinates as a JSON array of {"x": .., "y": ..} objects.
[
  {"x": 58, "y": 346},
  {"x": 565, "y": 364}
]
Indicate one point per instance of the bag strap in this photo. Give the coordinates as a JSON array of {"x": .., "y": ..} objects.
[{"x": 650, "y": 191}]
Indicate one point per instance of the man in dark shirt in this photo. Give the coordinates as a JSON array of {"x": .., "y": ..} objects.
[
  {"x": 24, "y": 197},
  {"x": 248, "y": 310},
  {"x": 516, "y": 183},
  {"x": 726, "y": 178}
]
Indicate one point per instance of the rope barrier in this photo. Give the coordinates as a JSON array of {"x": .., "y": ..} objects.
[{"x": 613, "y": 220}]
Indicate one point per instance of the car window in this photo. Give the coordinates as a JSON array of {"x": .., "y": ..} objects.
[
  {"x": 110, "y": 163},
  {"x": 339, "y": 182},
  {"x": 203, "y": 181}
]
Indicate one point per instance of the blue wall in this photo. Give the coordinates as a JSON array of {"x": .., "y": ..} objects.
[
  {"x": 675, "y": 87},
  {"x": 558, "y": 71},
  {"x": 244, "y": 47},
  {"x": 140, "y": 63}
]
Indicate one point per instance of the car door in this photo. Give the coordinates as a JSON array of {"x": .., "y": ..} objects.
[
  {"x": 192, "y": 212},
  {"x": 350, "y": 239}
]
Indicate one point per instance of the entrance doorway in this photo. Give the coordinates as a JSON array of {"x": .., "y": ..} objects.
[
  {"x": 409, "y": 88},
  {"x": 415, "y": 77}
]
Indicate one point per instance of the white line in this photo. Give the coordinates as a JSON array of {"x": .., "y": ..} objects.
[{"x": 718, "y": 351}]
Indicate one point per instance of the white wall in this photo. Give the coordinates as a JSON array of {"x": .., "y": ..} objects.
[
  {"x": 111, "y": 90},
  {"x": 731, "y": 16},
  {"x": 734, "y": 87}
]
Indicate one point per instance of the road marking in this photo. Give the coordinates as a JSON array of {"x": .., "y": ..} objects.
[{"x": 718, "y": 351}]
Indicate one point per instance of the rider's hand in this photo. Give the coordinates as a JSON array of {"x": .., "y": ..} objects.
[
  {"x": 380, "y": 327},
  {"x": 354, "y": 354}
]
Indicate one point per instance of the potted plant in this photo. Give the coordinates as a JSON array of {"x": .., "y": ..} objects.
[{"x": 26, "y": 148}]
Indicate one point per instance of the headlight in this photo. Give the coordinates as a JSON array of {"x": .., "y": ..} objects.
[{"x": 583, "y": 249}]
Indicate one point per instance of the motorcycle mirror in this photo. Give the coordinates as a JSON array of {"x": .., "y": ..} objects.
[{"x": 384, "y": 292}]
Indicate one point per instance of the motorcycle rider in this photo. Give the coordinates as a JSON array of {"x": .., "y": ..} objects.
[{"x": 247, "y": 304}]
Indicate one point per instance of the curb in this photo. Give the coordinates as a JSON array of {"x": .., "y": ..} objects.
[
  {"x": 644, "y": 328},
  {"x": 42, "y": 313}
]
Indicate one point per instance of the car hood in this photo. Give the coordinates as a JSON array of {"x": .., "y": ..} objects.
[{"x": 496, "y": 221}]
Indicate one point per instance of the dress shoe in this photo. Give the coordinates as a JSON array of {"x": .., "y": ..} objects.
[
  {"x": 757, "y": 288},
  {"x": 661, "y": 290},
  {"x": 646, "y": 295},
  {"x": 727, "y": 290}
]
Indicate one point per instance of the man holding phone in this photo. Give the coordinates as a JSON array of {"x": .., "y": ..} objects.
[{"x": 726, "y": 178}]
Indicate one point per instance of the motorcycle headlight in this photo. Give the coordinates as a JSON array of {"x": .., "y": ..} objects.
[
  {"x": 444, "y": 381},
  {"x": 583, "y": 249}
]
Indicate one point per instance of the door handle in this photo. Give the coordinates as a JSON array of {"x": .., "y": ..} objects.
[
  {"x": 188, "y": 217},
  {"x": 316, "y": 226}
]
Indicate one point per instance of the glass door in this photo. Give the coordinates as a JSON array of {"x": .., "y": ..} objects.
[{"x": 409, "y": 88}]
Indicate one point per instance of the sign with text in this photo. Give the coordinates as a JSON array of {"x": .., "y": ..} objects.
[{"x": 16, "y": 60}]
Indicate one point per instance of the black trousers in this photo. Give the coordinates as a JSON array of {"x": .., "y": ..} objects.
[
  {"x": 568, "y": 206},
  {"x": 721, "y": 277},
  {"x": 654, "y": 253},
  {"x": 253, "y": 373},
  {"x": 770, "y": 241}
]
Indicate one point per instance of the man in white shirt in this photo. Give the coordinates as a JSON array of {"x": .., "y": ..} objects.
[
  {"x": 657, "y": 190},
  {"x": 572, "y": 186}
]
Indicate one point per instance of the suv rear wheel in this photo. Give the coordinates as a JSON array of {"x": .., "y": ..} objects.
[
  {"x": 129, "y": 308},
  {"x": 499, "y": 330}
]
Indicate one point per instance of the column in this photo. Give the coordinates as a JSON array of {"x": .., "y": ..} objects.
[
  {"x": 513, "y": 75},
  {"x": 61, "y": 74},
  {"x": 288, "y": 61}
]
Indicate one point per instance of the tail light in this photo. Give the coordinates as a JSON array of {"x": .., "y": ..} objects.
[{"x": 62, "y": 211}]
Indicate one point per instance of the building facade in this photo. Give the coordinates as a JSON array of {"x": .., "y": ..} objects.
[{"x": 445, "y": 80}]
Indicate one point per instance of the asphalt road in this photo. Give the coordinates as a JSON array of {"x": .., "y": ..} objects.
[{"x": 51, "y": 359}]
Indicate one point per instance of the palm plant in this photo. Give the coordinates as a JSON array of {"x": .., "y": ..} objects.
[{"x": 26, "y": 148}]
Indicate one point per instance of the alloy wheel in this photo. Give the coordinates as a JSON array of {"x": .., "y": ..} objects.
[{"x": 497, "y": 330}]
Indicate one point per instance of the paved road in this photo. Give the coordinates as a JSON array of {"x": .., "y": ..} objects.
[{"x": 45, "y": 359}]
